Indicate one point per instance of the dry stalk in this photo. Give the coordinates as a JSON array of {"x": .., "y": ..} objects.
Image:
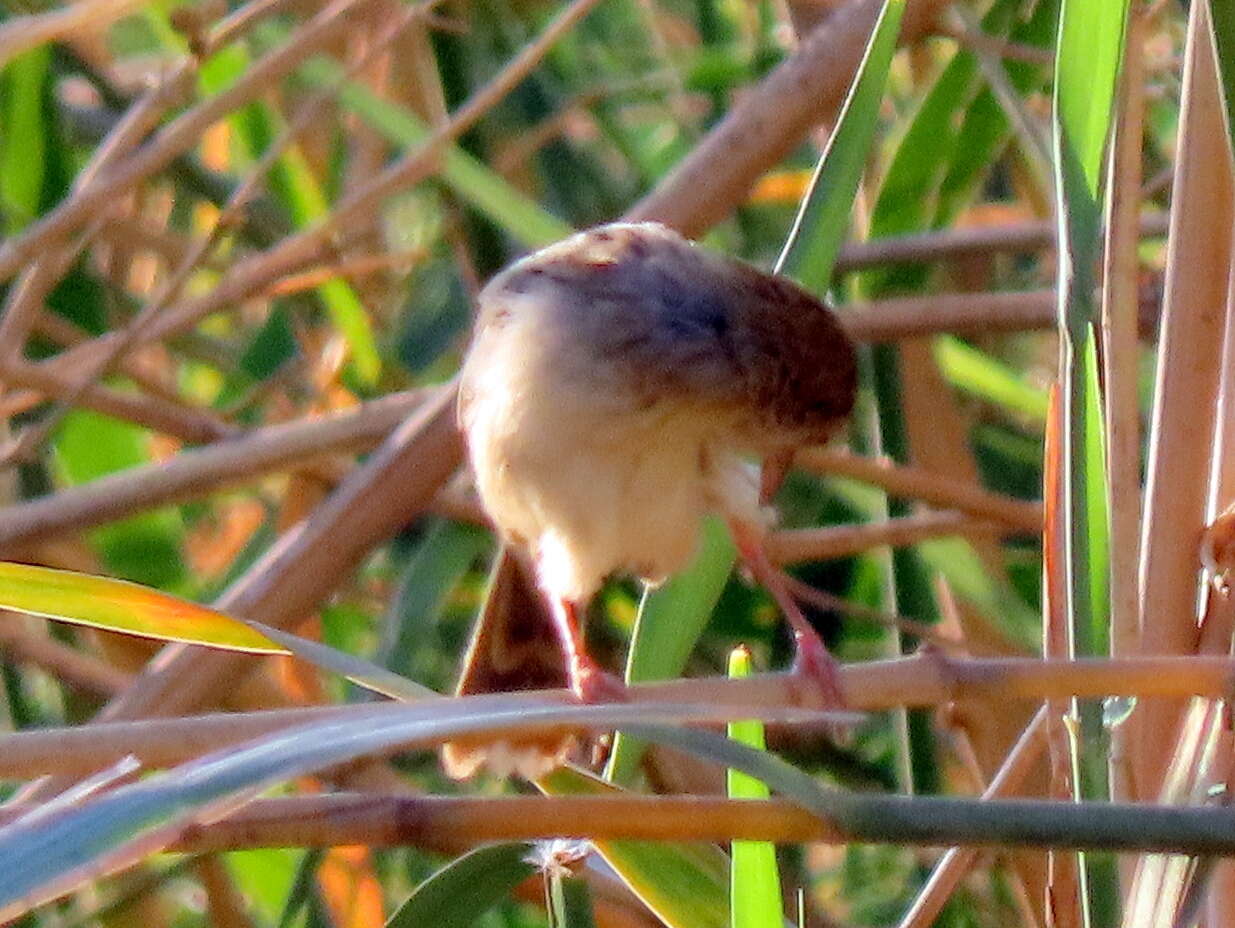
[
  {"x": 437, "y": 821},
  {"x": 915, "y": 483},
  {"x": 960, "y": 313},
  {"x": 820, "y": 544},
  {"x": 1120, "y": 314},
  {"x": 225, "y": 904},
  {"x": 921, "y": 680},
  {"x": 196, "y": 426},
  {"x": 974, "y": 241},
  {"x": 1181, "y": 443},
  {"x": 955, "y": 865},
  {"x": 193, "y": 473}
]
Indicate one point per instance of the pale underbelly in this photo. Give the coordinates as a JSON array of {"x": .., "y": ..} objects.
[{"x": 588, "y": 512}]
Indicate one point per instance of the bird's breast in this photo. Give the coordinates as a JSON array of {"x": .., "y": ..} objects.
[{"x": 590, "y": 485}]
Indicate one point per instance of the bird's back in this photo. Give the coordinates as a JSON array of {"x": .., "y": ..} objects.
[
  {"x": 615, "y": 380},
  {"x": 638, "y": 311}
]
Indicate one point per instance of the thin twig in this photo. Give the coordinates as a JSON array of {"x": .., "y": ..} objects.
[
  {"x": 1003, "y": 48},
  {"x": 821, "y": 599},
  {"x": 196, "y": 426},
  {"x": 957, "y": 862},
  {"x": 181, "y": 134},
  {"x": 209, "y": 469},
  {"x": 23, "y": 446},
  {"x": 25, "y": 32},
  {"x": 788, "y": 546},
  {"x": 925, "y": 679},
  {"x": 914, "y": 483},
  {"x": 355, "y": 266},
  {"x": 66, "y": 664}
]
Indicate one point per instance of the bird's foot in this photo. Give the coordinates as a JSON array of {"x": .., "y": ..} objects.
[
  {"x": 815, "y": 666},
  {"x": 591, "y": 684}
]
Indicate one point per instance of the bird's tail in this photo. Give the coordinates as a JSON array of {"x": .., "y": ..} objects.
[{"x": 514, "y": 648}]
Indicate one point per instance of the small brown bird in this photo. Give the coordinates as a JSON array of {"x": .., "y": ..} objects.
[{"x": 616, "y": 385}]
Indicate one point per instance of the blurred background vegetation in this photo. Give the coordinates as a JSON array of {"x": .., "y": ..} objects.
[{"x": 267, "y": 222}]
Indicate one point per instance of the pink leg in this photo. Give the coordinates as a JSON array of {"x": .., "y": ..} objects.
[
  {"x": 589, "y": 682},
  {"x": 812, "y": 660}
]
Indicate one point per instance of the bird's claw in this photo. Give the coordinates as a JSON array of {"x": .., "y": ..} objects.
[
  {"x": 592, "y": 685},
  {"x": 814, "y": 665}
]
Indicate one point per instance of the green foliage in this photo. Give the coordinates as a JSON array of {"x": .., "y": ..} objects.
[{"x": 145, "y": 548}]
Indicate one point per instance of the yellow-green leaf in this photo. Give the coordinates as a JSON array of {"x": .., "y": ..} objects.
[{"x": 120, "y": 606}]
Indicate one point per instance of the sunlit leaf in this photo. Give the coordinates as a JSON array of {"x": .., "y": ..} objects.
[{"x": 120, "y": 606}]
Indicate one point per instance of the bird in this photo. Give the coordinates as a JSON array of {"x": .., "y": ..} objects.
[{"x": 623, "y": 383}]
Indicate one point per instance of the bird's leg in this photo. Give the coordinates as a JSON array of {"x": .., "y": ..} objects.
[
  {"x": 812, "y": 659},
  {"x": 588, "y": 680}
]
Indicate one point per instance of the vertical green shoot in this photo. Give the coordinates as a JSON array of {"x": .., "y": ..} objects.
[
  {"x": 754, "y": 880},
  {"x": 1088, "y": 52}
]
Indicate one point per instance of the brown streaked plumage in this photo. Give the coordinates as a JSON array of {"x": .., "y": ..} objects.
[{"x": 616, "y": 385}]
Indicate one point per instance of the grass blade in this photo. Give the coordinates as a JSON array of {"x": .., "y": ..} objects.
[
  {"x": 121, "y": 606},
  {"x": 670, "y": 621},
  {"x": 1087, "y": 59},
  {"x": 131, "y": 609},
  {"x": 754, "y": 880},
  {"x": 823, "y": 220},
  {"x": 23, "y": 144},
  {"x": 686, "y": 885},
  {"x": 47, "y": 856},
  {"x": 467, "y": 887}
]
